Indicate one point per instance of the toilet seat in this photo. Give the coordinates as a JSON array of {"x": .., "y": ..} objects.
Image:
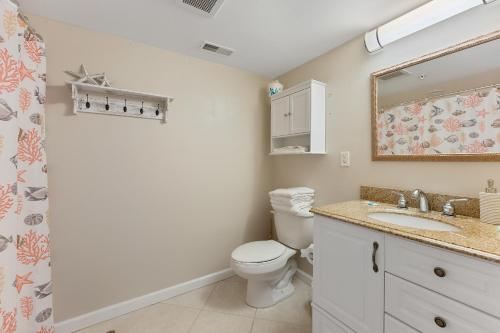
[
  {"x": 260, "y": 258},
  {"x": 268, "y": 266},
  {"x": 258, "y": 252}
]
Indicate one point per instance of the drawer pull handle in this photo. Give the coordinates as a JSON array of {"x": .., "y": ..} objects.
[
  {"x": 374, "y": 260},
  {"x": 439, "y": 272},
  {"x": 440, "y": 322}
]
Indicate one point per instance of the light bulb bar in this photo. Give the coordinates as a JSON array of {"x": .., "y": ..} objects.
[{"x": 422, "y": 17}]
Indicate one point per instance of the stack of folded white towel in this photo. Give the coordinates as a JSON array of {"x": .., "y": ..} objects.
[
  {"x": 291, "y": 149},
  {"x": 295, "y": 200}
]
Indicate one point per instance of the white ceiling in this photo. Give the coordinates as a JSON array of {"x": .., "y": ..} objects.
[{"x": 270, "y": 37}]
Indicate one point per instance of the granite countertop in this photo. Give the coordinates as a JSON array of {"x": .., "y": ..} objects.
[{"x": 474, "y": 238}]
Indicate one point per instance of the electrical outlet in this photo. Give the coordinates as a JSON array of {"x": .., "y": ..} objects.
[{"x": 345, "y": 159}]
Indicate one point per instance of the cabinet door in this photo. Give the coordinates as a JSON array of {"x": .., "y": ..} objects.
[
  {"x": 323, "y": 323},
  {"x": 280, "y": 120},
  {"x": 300, "y": 112},
  {"x": 349, "y": 274}
]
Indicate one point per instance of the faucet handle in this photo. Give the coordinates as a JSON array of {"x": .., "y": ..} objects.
[
  {"x": 416, "y": 193},
  {"x": 449, "y": 206},
  {"x": 402, "y": 203}
]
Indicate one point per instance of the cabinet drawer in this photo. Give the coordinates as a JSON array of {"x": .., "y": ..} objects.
[
  {"x": 426, "y": 310},
  {"x": 395, "y": 326},
  {"x": 472, "y": 281},
  {"x": 324, "y": 323}
]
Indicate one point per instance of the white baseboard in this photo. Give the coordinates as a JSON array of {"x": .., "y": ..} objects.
[
  {"x": 306, "y": 278},
  {"x": 115, "y": 310}
]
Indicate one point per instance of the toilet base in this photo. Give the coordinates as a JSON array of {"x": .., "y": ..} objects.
[{"x": 263, "y": 294}]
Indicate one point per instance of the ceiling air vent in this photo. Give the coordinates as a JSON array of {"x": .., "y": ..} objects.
[
  {"x": 211, "y": 47},
  {"x": 392, "y": 75},
  {"x": 204, "y": 7}
]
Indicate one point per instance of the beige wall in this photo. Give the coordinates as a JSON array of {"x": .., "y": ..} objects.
[
  {"x": 137, "y": 206},
  {"x": 346, "y": 70}
]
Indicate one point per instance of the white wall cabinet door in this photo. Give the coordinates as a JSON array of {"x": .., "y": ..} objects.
[
  {"x": 300, "y": 112},
  {"x": 280, "y": 120},
  {"x": 349, "y": 274}
]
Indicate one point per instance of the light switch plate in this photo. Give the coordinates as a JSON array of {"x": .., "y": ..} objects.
[{"x": 345, "y": 159}]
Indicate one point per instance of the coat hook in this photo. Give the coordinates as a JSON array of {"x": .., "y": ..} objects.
[
  {"x": 87, "y": 105},
  {"x": 125, "y": 107},
  {"x": 142, "y": 108},
  {"x": 158, "y": 110},
  {"x": 107, "y": 104}
]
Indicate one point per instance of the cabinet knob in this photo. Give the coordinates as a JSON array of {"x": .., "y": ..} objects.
[
  {"x": 286, "y": 114},
  {"x": 439, "y": 272},
  {"x": 440, "y": 322}
]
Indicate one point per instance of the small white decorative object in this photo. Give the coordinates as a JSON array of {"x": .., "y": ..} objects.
[
  {"x": 274, "y": 88},
  {"x": 83, "y": 76},
  {"x": 489, "y": 203}
]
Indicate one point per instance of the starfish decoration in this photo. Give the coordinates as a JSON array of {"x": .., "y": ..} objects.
[
  {"x": 102, "y": 80},
  {"x": 24, "y": 72},
  {"x": 482, "y": 113},
  {"x": 83, "y": 76},
  {"x": 20, "y": 281}
]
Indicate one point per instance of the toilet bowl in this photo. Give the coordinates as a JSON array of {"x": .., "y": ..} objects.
[
  {"x": 269, "y": 269},
  {"x": 269, "y": 266}
]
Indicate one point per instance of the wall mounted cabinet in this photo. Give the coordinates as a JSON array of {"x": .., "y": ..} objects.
[{"x": 298, "y": 119}]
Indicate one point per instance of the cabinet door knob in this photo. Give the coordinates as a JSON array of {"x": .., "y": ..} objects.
[
  {"x": 440, "y": 322},
  {"x": 439, "y": 272},
  {"x": 374, "y": 259},
  {"x": 286, "y": 114}
]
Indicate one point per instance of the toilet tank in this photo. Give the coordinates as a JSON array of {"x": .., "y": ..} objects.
[{"x": 292, "y": 230}]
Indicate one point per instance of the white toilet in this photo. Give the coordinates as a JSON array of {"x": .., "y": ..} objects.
[{"x": 268, "y": 265}]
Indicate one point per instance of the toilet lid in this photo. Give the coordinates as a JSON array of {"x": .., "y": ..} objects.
[{"x": 261, "y": 251}]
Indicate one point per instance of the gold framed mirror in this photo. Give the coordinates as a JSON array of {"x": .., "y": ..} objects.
[{"x": 444, "y": 106}]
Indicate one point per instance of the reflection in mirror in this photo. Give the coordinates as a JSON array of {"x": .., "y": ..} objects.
[{"x": 440, "y": 107}]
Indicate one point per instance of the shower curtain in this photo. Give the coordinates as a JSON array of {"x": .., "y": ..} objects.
[{"x": 25, "y": 282}]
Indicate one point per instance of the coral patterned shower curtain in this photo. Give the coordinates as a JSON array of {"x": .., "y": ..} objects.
[
  {"x": 467, "y": 123},
  {"x": 25, "y": 285}
]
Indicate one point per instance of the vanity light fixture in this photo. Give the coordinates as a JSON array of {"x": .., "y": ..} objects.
[{"x": 420, "y": 18}]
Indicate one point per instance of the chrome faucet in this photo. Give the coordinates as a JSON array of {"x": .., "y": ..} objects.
[
  {"x": 402, "y": 203},
  {"x": 449, "y": 207},
  {"x": 422, "y": 200}
]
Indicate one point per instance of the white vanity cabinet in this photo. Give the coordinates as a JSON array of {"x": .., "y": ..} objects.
[
  {"x": 417, "y": 288},
  {"x": 349, "y": 274},
  {"x": 298, "y": 118}
]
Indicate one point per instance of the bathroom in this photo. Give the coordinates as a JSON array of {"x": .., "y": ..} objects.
[{"x": 157, "y": 160}]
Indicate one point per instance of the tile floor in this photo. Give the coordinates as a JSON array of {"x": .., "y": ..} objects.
[{"x": 217, "y": 308}]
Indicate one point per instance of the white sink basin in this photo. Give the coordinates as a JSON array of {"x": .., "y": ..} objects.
[{"x": 412, "y": 222}]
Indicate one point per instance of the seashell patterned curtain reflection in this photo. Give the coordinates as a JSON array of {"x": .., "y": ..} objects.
[
  {"x": 25, "y": 279},
  {"x": 456, "y": 124}
]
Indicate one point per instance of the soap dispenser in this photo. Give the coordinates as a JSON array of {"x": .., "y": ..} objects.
[{"x": 489, "y": 204}]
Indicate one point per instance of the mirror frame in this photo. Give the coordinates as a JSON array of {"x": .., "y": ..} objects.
[{"x": 492, "y": 157}]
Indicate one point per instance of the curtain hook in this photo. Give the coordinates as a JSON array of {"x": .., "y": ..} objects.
[
  {"x": 142, "y": 108},
  {"x": 125, "y": 107},
  {"x": 107, "y": 104},
  {"x": 87, "y": 105},
  {"x": 158, "y": 110}
]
